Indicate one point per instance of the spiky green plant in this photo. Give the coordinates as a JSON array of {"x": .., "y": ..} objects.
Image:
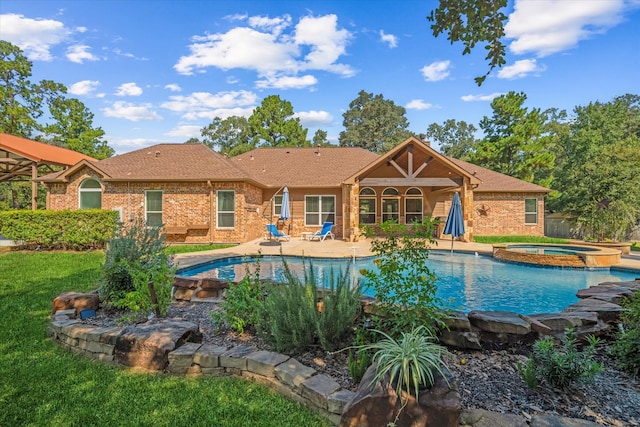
[{"x": 409, "y": 362}]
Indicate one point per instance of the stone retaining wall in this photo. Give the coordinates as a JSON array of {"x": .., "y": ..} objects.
[{"x": 174, "y": 347}]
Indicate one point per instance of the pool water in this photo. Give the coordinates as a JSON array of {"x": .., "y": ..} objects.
[
  {"x": 550, "y": 250},
  {"x": 465, "y": 281}
]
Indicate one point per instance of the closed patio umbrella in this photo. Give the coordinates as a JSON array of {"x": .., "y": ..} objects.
[
  {"x": 455, "y": 221},
  {"x": 285, "y": 210}
]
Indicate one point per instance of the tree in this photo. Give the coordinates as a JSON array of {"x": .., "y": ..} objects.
[
  {"x": 73, "y": 129},
  {"x": 456, "y": 139},
  {"x": 20, "y": 100},
  {"x": 320, "y": 138},
  {"x": 597, "y": 179},
  {"x": 472, "y": 22},
  {"x": 229, "y": 136},
  {"x": 514, "y": 142},
  {"x": 273, "y": 124},
  {"x": 374, "y": 123}
]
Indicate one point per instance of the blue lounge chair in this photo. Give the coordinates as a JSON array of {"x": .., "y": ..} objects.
[
  {"x": 324, "y": 233},
  {"x": 277, "y": 234}
]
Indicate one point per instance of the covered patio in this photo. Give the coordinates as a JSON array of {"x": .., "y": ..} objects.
[{"x": 22, "y": 159}]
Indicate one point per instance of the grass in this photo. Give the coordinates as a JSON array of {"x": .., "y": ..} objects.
[
  {"x": 635, "y": 246},
  {"x": 44, "y": 384},
  {"x": 517, "y": 239},
  {"x": 181, "y": 249}
]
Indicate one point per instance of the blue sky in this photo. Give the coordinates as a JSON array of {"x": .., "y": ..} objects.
[{"x": 158, "y": 71}]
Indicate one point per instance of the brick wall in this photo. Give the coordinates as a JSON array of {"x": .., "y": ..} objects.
[
  {"x": 503, "y": 214},
  {"x": 190, "y": 205}
]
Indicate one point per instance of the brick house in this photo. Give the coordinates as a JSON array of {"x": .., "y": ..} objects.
[{"x": 202, "y": 196}]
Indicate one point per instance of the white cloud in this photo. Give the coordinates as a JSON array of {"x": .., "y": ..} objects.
[
  {"x": 472, "y": 98},
  {"x": 223, "y": 113},
  {"x": 124, "y": 145},
  {"x": 418, "y": 104},
  {"x": 173, "y": 87},
  {"x": 544, "y": 27},
  {"x": 520, "y": 69},
  {"x": 34, "y": 36},
  {"x": 132, "y": 112},
  {"x": 272, "y": 25},
  {"x": 314, "y": 118},
  {"x": 83, "y": 87},
  {"x": 129, "y": 89},
  {"x": 390, "y": 39},
  {"x": 185, "y": 131},
  {"x": 286, "y": 82},
  {"x": 326, "y": 42},
  {"x": 207, "y": 105},
  {"x": 79, "y": 53},
  {"x": 435, "y": 71},
  {"x": 315, "y": 43}
]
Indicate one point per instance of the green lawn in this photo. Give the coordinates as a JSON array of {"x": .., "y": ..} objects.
[{"x": 43, "y": 384}]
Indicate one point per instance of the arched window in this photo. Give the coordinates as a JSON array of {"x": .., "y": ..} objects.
[
  {"x": 367, "y": 206},
  {"x": 90, "y": 194},
  {"x": 390, "y": 204},
  {"x": 413, "y": 205}
]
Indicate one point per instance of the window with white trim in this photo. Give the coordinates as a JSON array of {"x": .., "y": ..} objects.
[
  {"x": 367, "y": 208},
  {"x": 90, "y": 194},
  {"x": 277, "y": 205},
  {"x": 153, "y": 207},
  {"x": 390, "y": 205},
  {"x": 319, "y": 209},
  {"x": 226, "y": 208},
  {"x": 413, "y": 205},
  {"x": 530, "y": 211}
]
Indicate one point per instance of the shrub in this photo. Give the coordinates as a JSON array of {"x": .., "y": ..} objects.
[
  {"x": 560, "y": 367},
  {"x": 410, "y": 362},
  {"x": 403, "y": 285},
  {"x": 242, "y": 302},
  {"x": 292, "y": 319},
  {"x": 626, "y": 348},
  {"x": 137, "y": 273},
  {"x": 340, "y": 307},
  {"x": 77, "y": 230},
  {"x": 287, "y": 319}
]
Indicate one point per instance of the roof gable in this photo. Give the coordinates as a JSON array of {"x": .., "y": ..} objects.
[{"x": 413, "y": 157}]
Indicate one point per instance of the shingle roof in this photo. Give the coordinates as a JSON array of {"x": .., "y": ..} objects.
[
  {"x": 304, "y": 167},
  {"x": 498, "y": 182},
  {"x": 171, "y": 162},
  {"x": 40, "y": 152}
]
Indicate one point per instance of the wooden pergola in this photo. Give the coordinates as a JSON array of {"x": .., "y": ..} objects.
[{"x": 22, "y": 159}]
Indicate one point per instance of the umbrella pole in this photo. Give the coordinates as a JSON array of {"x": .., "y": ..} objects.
[{"x": 452, "y": 244}]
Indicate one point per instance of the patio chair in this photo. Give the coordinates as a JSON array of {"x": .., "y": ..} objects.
[
  {"x": 324, "y": 233},
  {"x": 277, "y": 234}
]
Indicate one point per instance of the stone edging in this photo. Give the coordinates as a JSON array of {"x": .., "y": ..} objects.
[{"x": 279, "y": 372}]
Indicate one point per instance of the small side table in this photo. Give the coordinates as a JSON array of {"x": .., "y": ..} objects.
[{"x": 305, "y": 235}]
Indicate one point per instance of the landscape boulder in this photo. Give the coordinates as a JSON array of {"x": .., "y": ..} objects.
[{"x": 377, "y": 404}]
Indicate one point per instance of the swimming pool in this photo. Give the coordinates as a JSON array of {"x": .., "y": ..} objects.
[{"x": 465, "y": 281}]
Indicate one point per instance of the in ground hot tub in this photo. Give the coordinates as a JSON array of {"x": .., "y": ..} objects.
[{"x": 574, "y": 256}]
